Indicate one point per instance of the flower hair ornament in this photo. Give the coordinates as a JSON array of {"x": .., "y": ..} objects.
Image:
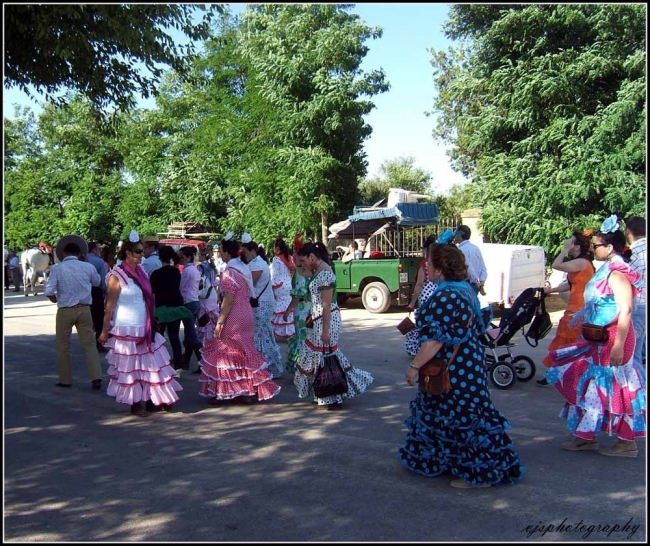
[
  {"x": 445, "y": 237},
  {"x": 229, "y": 236},
  {"x": 610, "y": 225},
  {"x": 246, "y": 238},
  {"x": 133, "y": 236},
  {"x": 298, "y": 242},
  {"x": 588, "y": 232}
]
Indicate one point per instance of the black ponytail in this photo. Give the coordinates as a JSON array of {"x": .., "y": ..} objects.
[{"x": 318, "y": 249}]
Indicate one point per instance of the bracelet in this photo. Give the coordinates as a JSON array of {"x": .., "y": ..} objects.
[{"x": 412, "y": 366}]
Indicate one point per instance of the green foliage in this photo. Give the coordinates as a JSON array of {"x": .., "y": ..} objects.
[
  {"x": 545, "y": 107},
  {"x": 96, "y": 48},
  {"x": 304, "y": 63},
  {"x": 395, "y": 173},
  {"x": 262, "y": 133},
  {"x": 64, "y": 175}
]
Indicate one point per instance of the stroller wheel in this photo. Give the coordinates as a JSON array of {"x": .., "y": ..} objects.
[
  {"x": 503, "y": 375},
  {"x": 525, "y": 367}
]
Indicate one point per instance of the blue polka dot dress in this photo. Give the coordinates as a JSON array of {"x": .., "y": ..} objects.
[{"x": 460, "y": 432}]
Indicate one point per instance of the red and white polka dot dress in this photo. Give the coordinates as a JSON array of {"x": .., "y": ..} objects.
[{"x": 231, "y": 365}]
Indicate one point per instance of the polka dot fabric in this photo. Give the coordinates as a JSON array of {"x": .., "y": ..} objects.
[
  {"x": 600, "y": 397},
  {"x": 412, "y": 342},
  {"x": 312, "y": 352},
  {"x": 460, "y": 432},
  {"x": 231, "y": 365}
]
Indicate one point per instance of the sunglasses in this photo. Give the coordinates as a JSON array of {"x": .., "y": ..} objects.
[
  {"x": 598, "y": 245},
  {"x": 138, "y": 251}
]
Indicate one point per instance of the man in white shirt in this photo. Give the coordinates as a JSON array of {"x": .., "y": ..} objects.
[
  {"x": 352, "y": 253},
  {"x": 69, "y": 285},
  {"x": 217, "y": 262},
  {"x": 635, "y": 234},
  {"x": 475, "y": 264},
  {"x": 151, "y": 261}
]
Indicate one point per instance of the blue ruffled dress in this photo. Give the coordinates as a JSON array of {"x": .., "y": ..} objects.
[{"x": 459, "y": 432}]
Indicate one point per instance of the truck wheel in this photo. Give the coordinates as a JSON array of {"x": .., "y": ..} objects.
[{"x": 376, "y": 297}]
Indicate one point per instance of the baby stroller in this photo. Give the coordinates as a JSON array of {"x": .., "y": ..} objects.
[{"x": 504, "y": 369}]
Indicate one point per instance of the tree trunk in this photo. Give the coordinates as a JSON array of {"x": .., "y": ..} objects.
[{"x": 323, "y": 227}]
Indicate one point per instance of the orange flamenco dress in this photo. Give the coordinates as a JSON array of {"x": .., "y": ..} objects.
[{"x": 566, "y": 334}]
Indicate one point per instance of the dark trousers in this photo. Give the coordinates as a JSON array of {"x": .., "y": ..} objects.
[
  {"x": 7, "y": 277},
  {"x": 174, "y": 331},
  {"x": 97, "y": 309},
  {"x": 15, "y": 278}
]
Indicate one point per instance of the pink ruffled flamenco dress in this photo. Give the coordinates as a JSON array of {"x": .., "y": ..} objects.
[
  {"x": 231, "y": 366},
  {"x": 139, "y": 368}
]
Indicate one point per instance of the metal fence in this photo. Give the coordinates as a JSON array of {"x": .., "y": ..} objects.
[{"x": 408, "y": 241}]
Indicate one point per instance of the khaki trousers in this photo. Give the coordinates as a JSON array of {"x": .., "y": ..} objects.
[{"x": 82, "y": 320}]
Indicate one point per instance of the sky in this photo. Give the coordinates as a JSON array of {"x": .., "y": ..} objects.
[{"x": 400, "y": 126}]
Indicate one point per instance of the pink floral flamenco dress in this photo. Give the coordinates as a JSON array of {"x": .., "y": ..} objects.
[
  {"x": 138, "y": 367},
  {"x": 601, "y": 397}
]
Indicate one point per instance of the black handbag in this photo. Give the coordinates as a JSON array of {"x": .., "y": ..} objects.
[
  {"x": 540, "y": 327},
  {"x": 204, "y": 319},
  {"x": 255, "y": 302},
  {"x": 330, "y": 379}
]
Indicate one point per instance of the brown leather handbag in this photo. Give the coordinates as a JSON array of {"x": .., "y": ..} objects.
[
  {"x": 406, "y": 325},
  {"x": 593, "y": 332},
  {"x": 434, "y": 375}
]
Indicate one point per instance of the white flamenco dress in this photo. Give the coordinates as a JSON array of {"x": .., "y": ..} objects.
[{"x": 139, "y": 371}]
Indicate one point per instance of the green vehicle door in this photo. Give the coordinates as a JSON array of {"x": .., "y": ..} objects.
[{"x": 342, "y": 272}]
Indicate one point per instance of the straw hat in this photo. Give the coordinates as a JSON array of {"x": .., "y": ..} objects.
[{"x": 58, "y": 252}]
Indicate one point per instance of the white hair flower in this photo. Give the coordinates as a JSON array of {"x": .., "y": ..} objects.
[
  {"x": 229, "y": 236},
  {"x": 610, "y": 225},
  {"x": 133, "y": 236},
  {"x": 246, "y": 238}
]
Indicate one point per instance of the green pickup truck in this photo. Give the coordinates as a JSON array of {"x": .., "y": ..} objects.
[{"x": 391, "y": 240}]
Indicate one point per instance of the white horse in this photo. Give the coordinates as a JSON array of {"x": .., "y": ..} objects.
[{"x": 33, "y": 261}]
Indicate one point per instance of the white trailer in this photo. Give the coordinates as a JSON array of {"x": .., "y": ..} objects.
[{"x": 510, "y": 270}]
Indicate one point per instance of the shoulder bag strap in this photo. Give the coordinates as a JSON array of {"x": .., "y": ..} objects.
[
  {"x": 264, "y": 290},
  {"x": 456, "y": 347}
]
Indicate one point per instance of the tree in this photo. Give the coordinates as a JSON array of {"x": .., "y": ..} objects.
[
  {"x": 545, "y": 107},
  {"x": 304, "y": 61},
  {"x": 65, "y": 174},
  {"x": 395, "y": 173},
  {"x": 95, "y": 49}
]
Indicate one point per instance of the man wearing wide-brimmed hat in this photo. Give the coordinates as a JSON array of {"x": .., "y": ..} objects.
[
  {"x": 151, "y": 261},
  {"x": 69, "y": 286}
]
